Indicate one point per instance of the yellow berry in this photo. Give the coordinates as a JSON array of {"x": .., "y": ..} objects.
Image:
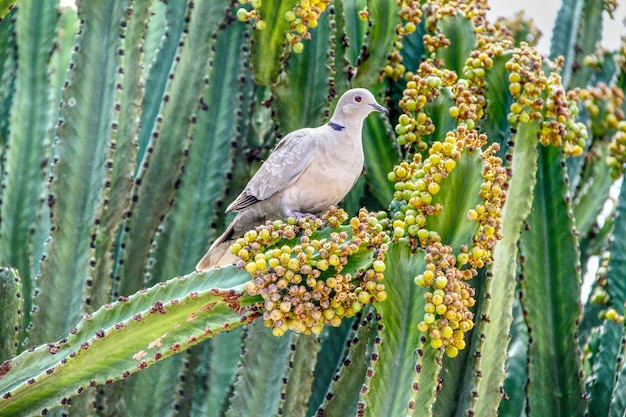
[
  {"x": 452, "y": 351},
  {"x": 298, "y": 47}
]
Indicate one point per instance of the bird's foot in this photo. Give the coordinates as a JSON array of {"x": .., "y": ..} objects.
[{"x": 299, "y": 215}]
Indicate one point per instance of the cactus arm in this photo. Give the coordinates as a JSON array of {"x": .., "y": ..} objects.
[
  {"x": 124, "y": 337},
  {"x": 460, "y": 31},
  {"x": 593, "y": 192},
  {"x": 516, "y": 372},
  {"x": 565, "y": 35},
  {"x": 459, "y": 193},
  {"x": 11, "y": 313},
  {"x": 604, "y": 369},
  {"x": 378, "y": 42},
  {"x": 502, "y": 284},
  {"x": 8, "y": 68},
  {"x": 495, "y": 123},
  {"x": 301, "y": 96},
  {"x": 269, "y": 46},
  {"x": 617, "y": 399},
  {"x": 331, "y": 355},
  {"x": 210, "y": 376},
  {"x": 617, "y": 262},
  {"x": 297, "y": 389},
  {"x": 160, "y": 170},
  {"x": 402, "y": 374},
  {"x": 551, "y": 281},
  {"x": 169, "y": 27},
  {"x": 27, "y": 152},
  {"x": 589, "y": 34},
  {"x": 262, "y": 366},
  {"x": 122, "y": 152},
  {"x": 83, "y": 136},
  {"x": 182, "y": 237},
  {"x": 342, "y": 395},
  {"x": 380, "y": 153}
]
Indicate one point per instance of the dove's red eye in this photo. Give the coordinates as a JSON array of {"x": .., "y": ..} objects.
[{"x": 358, "y": 99}]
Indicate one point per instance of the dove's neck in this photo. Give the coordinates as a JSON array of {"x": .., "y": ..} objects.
[{"x": 346, "y": 122}]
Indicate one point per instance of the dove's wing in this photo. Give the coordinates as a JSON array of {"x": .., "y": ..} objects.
[{"x": 286, "y": 162}]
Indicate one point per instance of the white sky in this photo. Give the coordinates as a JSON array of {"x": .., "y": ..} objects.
[{"x": 543, "y": 12}]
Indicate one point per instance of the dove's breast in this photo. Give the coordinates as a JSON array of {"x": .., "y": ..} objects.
[{"x": 335, "y": 168}]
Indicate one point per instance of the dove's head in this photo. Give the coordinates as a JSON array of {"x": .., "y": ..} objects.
[{"x": 354, "y": 106}]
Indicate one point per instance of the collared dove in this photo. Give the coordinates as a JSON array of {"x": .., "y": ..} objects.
[{"x": 308, "y": 171}]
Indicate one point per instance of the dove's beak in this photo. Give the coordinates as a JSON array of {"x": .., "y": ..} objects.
[{"x": 379, "y": 108}]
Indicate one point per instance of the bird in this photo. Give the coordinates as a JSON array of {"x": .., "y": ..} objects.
[{"x": 308, "y": 171}]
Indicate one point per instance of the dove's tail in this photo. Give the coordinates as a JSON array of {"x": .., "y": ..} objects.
[{"x": 219, "y": 252}]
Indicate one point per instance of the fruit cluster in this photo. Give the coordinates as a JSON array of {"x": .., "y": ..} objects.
[
  {"x": 303, "y": 282},
  {"x": 489, "y": 214},
  {"x": 542, "y": 98},
  {"x": 411, "y": 14},
  {"x": 301, "y": 18},
  {"x": 447, "y": 315},
  {"x": 617, "y": 149},
  {"x": 421, "y": 88}
]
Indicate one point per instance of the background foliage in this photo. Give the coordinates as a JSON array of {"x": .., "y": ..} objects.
[{"x": 127, "y": 126}]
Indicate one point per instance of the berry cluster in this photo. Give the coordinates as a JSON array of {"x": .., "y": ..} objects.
[
  {"x": 604, "y": 105},
  {"x": 447, "y": 315},
  {"x": 489, "y": 214},
  {"x": 617, "y": 151},
  {"x": 301, "y": 18},
  {"x": 421, "y": 88},
  {"x": 302, "y": 282},
  {"x": 418, "y": 181},
  {"x": 544, "y": 99},
  {"x": 411, "y": 14}
]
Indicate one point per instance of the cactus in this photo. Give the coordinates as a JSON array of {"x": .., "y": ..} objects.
[{"x": 448, "y": 282}]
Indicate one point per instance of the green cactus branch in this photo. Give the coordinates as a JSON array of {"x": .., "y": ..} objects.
[{"x": 136, "y": 332}]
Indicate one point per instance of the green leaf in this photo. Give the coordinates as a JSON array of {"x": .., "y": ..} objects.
[
  {"x": 551, "y": 275},
  {"x": 126, "y": 336}
]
